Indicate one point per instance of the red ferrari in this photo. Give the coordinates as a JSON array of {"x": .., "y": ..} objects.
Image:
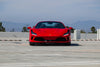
[{"x": 49, "y": 32}]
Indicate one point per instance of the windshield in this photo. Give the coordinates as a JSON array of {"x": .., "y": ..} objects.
[{"x": 49, "y": 25}]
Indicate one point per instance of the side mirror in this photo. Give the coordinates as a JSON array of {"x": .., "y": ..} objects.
[
  {"x": 28, "y": 27},
  {"x": 70, "y": 28}
]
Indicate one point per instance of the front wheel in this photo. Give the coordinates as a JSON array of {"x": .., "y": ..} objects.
[
  {"x": 67, "y": 44},
  {"x": 31, "y": 43}
]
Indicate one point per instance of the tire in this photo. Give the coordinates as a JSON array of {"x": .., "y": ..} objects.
[
  {"x": 67, "y": 44},
  {"x": 31, "y": 43}
]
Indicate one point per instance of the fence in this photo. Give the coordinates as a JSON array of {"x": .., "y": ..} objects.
[{"x": 85, "y": 36}]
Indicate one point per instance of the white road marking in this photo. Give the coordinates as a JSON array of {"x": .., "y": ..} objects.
[{"x": 49, "y": 64}]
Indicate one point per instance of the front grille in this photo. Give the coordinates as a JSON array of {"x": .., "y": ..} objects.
[
  {"x": 61, "y": 39},
  {"x": 42, "y": 39}
]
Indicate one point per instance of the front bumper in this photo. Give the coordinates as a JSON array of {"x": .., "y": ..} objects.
[{"x": 50, "y": 39}]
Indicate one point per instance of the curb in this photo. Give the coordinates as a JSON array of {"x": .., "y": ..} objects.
[
  {"x": 85, "y": 40},
  {"x": 10, "y": 40}
]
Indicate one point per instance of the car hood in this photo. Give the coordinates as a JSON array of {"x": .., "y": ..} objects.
[{"x": 50, "y": 32}]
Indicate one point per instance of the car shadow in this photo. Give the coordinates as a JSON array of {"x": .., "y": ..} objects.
[{"x": 73, "y": 44}]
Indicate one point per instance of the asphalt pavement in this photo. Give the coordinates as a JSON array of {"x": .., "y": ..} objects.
[{"x": 79, "y": 54}]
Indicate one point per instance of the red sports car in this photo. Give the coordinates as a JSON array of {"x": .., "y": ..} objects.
[{"x": 49, "y": 32}]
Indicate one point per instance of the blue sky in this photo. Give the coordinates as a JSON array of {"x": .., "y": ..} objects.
[{"x": 67, "y": 11}]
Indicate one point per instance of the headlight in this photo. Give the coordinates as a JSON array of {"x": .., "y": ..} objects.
[
  {"x": 67, "y": 33},
  {"x": 33, "y": 33}
]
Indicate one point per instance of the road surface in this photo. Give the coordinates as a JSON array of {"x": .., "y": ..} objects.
[{"x": 79, "y": 54}]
